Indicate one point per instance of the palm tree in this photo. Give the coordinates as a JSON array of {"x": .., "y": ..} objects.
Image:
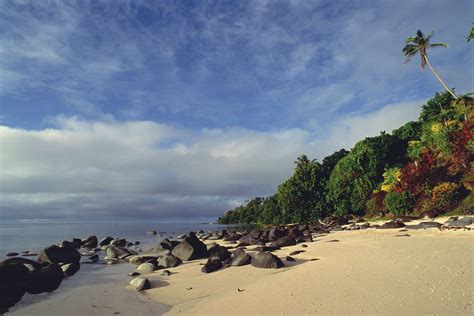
[{"x": 419, "y": 44}]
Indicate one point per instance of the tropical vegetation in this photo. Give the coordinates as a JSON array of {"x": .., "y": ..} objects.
[{"x": 423, "y": 166}]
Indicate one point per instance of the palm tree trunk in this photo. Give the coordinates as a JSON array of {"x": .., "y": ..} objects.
[{"x": 439, "y": 78}]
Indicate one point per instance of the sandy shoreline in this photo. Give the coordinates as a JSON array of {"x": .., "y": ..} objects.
[{"x": 364, "y": 272}]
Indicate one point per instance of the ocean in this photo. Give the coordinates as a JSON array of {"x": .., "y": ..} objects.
[{"x": 34, "y": 236}]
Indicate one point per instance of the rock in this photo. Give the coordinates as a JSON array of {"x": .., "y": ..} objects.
[
  {"x": 266, "y": 260},
  {"x": 294, "y": 232},
  {"x": 94, "y": 258},
  {"x": 240, "y": 258},
  {"x": 106, "y": 241},
  {"x": 140, "y": 283},
  {"x": 165, "y": 273},
  {"x": 146, "y": 267},
  {"x": 90, "y": 242},
  {"x": 134, "y": 273},
  {"x": 221, "y": 252},
  {"x": 168, "y": 261},
  {"x": 12, "y": 254},
  {"x": 424, "y": 225},
  {"x": 116, "y": 251},
  {"x": 55, "y": 254},
  {"x": 139, "y": 259},
  {"x": 365, "y": 225},
  {"x": 276, "y": 233},
  {"x": 168, "y": 244},
  {"x": 211, "y": 245},
  {"x": 68, "y": 244},
  {"x": 212, "y": 265},
  {"x": 13, "y": 278},
  {"x": 307, "y": 238},
  {"x": 284, "y": 242},
  {"x": 119, "y": 242},
  {"x": 70, "y": 269},
  {"x": 304, "y": 246},
  {"x": 152, "y": 232},
  {"x": 251, "y": 238},
  {"x": 463, "y": 222},
  {"x": 296, "y": 252},
  {"x": 392, "y": 224},
  {"x": 46, "y": 279},
  {"x": 406, "y": 218},
  {"x": 190, "y": 248},
  {"x": 232, "y": 236},
  {"x": 288, "y": 258},
  {"x": 266, "y": 248}
]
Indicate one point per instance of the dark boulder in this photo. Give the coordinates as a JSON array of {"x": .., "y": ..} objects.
[
  {"x": 306, "y": 238},
  {"x": 55, "y": 254},
  {"x": 119, "y": 242},
  {"x": 463, "y": 222},
  {"x": 251, "y": 238},
  {"x": 288, "y": 258},
  {"x": 116, "y": 252},
  {"x": 276, "y": 233},
  {"x": 266, "y": 248},
  {"x": 212, "y": 265},
  {"x": 46, "y": 279},
  {"x": 106, "y": 241},
  {"x": 168, "y": 261},
  {"x": 284, "y": 242},
  {"x": 294, "y": 253},
  {"x": 70, "y": 269},
  {"x": 266, "y": 260},
  {"x": 232, "y": 236},
  {"x": 425, "y": 225},
  {"x": 221, "y": 252},
  {"x": 168, "y": 244},
  {"x": 392, "y": 224},
  {"x": 190, "y": 248},
  {"x": 68, "y": 244},
  {"x": 13, "y": 279},
  {"x": 294, "y": 232},
  {"x": 12, "y": 254},
  {"x": 240, "y": 258},
  {"x": 90, "y": 242}
]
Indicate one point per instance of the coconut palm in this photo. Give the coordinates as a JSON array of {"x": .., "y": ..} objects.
[{"x": 419, "y": 44}]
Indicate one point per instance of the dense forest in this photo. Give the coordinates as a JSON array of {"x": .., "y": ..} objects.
[{"x": 423, "y": 166}]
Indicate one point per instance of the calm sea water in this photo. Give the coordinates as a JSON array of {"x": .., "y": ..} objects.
[{"x": 33, "y": 236}]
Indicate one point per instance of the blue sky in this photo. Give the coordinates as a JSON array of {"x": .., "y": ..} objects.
[{"x": 187, "y": 108}]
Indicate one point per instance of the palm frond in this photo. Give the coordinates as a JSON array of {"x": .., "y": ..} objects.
[
  {"x": 439, "y": 45},
  {"x": 427, "y": 39},
  {"x": 419, "y": 34}
]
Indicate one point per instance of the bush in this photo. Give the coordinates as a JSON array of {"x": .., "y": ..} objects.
[
  {"x": 399, "y": 203},
  {"x": 374, "y": 206},
  {"x": 445, "y": 195}
]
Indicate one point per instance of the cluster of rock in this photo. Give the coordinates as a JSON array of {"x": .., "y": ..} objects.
[{"x": 19, "y": 275}]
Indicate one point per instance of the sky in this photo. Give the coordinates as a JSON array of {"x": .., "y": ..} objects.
[{"x": 180, "y": 110}]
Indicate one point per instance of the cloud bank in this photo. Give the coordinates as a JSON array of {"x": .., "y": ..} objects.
[{"x": 142, "y": 169}]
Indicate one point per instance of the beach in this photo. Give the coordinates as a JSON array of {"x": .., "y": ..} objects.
[{"x": 373, "y": 271}]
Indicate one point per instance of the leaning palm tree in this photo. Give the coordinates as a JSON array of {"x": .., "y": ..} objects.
[{"x": 419, "y": 44}]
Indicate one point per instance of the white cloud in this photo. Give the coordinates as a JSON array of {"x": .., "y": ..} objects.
[{"x": 99, "y": 168}]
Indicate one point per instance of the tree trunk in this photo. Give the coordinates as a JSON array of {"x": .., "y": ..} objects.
[{"x": 439, "y": 78}]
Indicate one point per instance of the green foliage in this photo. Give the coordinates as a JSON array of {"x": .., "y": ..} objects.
[
  {"x": 470, "y": 36},
  {"x": 408, "y": 132},
  {"x": 270, "y": 212},
  {"x": 360, "y": 172},
  {"x": 434, "y": 109},
  {"x": 399, "y": 203},
  {"x": 445, "y": 194},
  {"x": 390, "y": 177},
  {"x": 301, "y": 197}
]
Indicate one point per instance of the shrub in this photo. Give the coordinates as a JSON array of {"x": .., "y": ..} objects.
[
  {"x": 375, "y": 204},
  {"x": 445, "y": 195},
  {"x": 399, "y": 203}
]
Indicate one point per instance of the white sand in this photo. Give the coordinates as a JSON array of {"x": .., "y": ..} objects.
[{"x": 366, "y": 272}]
